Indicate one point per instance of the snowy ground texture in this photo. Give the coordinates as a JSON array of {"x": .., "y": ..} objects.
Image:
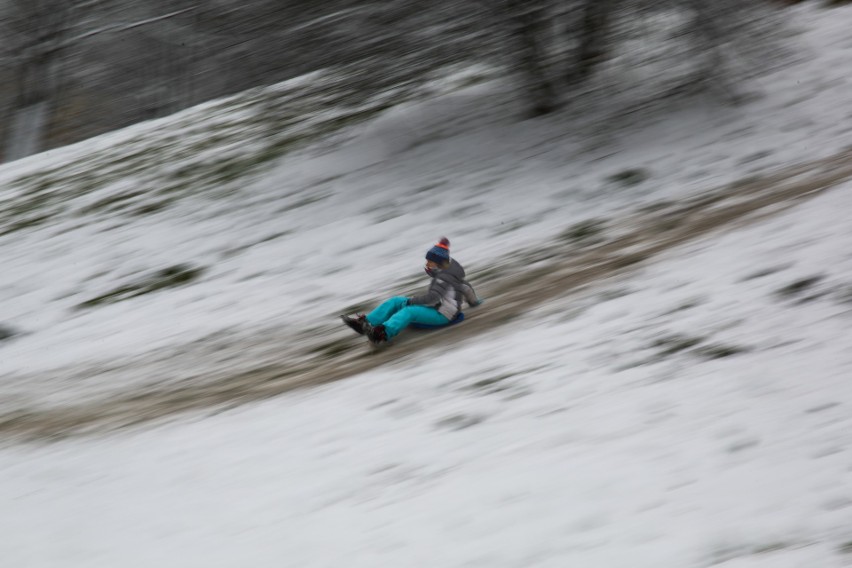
[
  {"x": 333, "y": 226},
  {"x": 696, "y": 413}
]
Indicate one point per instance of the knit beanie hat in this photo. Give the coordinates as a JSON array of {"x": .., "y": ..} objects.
[{"x": 440, "y": 253}]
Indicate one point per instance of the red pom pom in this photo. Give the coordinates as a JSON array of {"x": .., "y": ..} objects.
[{"x": 445, "y": 242}]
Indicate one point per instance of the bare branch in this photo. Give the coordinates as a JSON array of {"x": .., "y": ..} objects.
[{"x": 125, "y": 27}]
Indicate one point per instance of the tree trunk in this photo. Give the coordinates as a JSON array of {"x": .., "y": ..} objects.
[
  {"x": 36, "y": 85},
  {"x": 710, "y": 37},
  {"x": 26, "y": 130},
  {"x": 528, "y": 27},
  {"x": 592, "y": 49}
]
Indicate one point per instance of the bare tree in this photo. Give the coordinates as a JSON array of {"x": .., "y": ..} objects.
[
  {"x": 724, "y": 42},
  {"x": 41, "y": 38},
  {"x": 112, "y": 63},
  {"x": 592, "y": 40},
  {"x": 36, "y": 30},
  {"x": 528, "y": 21}
]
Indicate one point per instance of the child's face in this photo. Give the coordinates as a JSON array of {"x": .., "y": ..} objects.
[{"x": 431, "y": 267}]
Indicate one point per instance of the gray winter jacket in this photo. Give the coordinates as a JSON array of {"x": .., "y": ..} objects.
[{"x": 447, "y": 291}]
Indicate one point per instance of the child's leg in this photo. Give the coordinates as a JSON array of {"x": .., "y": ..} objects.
[
  {"x": 386, "y": 309},
  {"x": 413, "y": 314}
]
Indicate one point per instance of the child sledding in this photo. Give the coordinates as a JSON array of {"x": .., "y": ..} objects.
[{"x": 440, "y": 305}]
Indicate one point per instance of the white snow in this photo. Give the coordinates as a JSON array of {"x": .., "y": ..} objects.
[
  {"x": 570, "y": 438},
  {"x": 338, "y": 224},
  {"x": 567, "y": 439}
]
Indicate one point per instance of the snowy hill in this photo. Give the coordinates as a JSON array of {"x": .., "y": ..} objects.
[
  {"x": 693, "y": 411},
  {"x": 694, "y": 414}
]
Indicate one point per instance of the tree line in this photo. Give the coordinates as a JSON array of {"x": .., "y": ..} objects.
[{"x": 92, "y": 66}]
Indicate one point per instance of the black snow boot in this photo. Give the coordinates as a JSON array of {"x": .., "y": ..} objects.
[
  {"x": 357, "y": 322},
  {"x": 376, "y": 334}
]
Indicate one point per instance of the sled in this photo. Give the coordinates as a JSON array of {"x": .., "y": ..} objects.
[{"x": 458, "y": 319}]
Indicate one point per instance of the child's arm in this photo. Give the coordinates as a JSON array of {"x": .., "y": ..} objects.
[
  {"x": 469, "y": 294},
  {"x": 431, "y": 298}
]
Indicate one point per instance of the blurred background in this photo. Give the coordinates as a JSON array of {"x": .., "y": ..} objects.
[{"x": 72, "y": 70}]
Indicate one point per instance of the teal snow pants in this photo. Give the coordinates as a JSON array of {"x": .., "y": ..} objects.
[{"x": 395, "y": 315}]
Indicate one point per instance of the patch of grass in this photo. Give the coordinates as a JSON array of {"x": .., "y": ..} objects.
[
  {"x": 743, "y": 183},
  {"x": 231, "y": 170},
  {"x": 797, "y": 287},
  {"x": 24, "y": 223},
  {"x": 429, "y": 187},
  {"x": 334, "y": 348},
  {"x": 6, "y": 333},
  {"x": 742, "y": 445},
  {"x": 542, "y": 254},
  {"x": 626, "y": 260},
  {"x": 720, "y": 351},
  {"x": 487, "y": 383},
  {"x": 111, "y": 297},
  {"x": 387, "y": 214},
  {"x": 583, "y": 231},
  {"x": 686, "y": 305},
  {"x": 175, "y": 188},
  {"x": 271, "y": 123},
  {"x": 755, "y": 157},
  {"x": 629, "y": 177},
  {"x": 150, "y": 208},
  {"x": 208, "y": 174},
  {"x": 516, "y": 394},
  {"x": 460, "y": 421},
  {"x": 172, "y": 276},
  {"x": 273, "y": 236},
  {"x": 673, "y": 344},
  {"x": 281, "y": 147},
  {"x": 677, "y": 343},
  {"x": 326, "y": 180},
  {"x": 728, "y": 552},
  {"x": 613, "y": 294},
  {"x": 188, "y": 171},
  {"x": 764, "y": 272},
  {"x": 669, "y": 224},
  {"x": 844, "y": 294},
  {"x": 771, "y": 547},
  {"x": 304, "y": 202},
  {"x": 384, "y": 403},
  {"x": 38, "y": 181},
  {"x": 822, "y": 407},
  {"x": 657, "y": 206}
]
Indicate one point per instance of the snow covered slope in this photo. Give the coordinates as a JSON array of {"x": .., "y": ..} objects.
[
  {"x": 91, "y": 228},
  {"x": 694, "y": 413}
]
